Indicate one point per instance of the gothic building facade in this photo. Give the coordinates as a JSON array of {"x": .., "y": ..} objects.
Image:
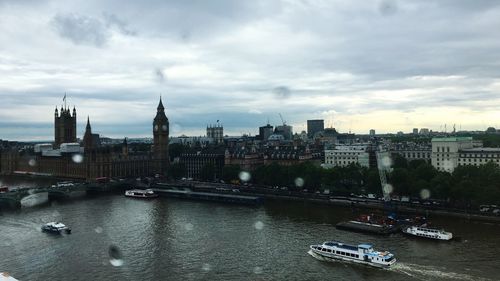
[
  {"x": 90, "y": 160},
  {"x": 64, "y": 126}
]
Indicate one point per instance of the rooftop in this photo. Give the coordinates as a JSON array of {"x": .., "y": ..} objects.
[
  {"x": 451, "y": 139},
  {"x": 481, "y": 149}
]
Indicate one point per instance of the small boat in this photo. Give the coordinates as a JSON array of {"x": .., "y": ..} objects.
[
  {"x": 140, "y": 193},
  {"x": 362, "y": 254},
  {"x": 431, "y": 233},
  {"x": 5, "y": 276},
  {"x": 56, "y": 228}
]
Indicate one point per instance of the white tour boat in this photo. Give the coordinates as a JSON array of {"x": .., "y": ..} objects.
[
  {"x": 140, "y": 193},
  {"x": 56, "y": 228},
  {"x": 363, "y": 254},
  {"x": 425, "y": 232}
]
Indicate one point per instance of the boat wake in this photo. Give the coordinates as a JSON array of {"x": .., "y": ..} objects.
[
  {"x": 420, "y": 272},
  {"x": 423, "y": 272},
  {"x": 310, "y": 252}
]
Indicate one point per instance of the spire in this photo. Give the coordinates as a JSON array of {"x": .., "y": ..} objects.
[
  {"x": 88, "y": 124},
  {"x": 160, "y": 106}
]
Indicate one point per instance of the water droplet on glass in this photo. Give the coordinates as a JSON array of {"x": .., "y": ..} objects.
[
  {"x": 115, "y": 256},
  {"x": 32, "y": 162},
  {"x": 188, "y": 226},
  {"x": 299, "y": 182},
  {"x": 258, "y": 270},
  {"x": 77, "y": 158},
  {"x": 206, "y": 267},
  {"x": 386, "y": 162},
  {"x": 244, "y": 176},
  {"x": 425, "y": 194},
  {"x": 98, "y": 229},
  {"x": 388, "y": 189},
  {"x": 259, "y": 225}
]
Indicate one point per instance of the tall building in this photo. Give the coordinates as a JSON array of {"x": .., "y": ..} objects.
[
  {"x": 285, "y": 130},
  {"x": 314, "y": 126},
  {"x": 424, "y": 131},
  {"x": 92, "y": 161},
  {"x": 265, "y": 132},
  {"x": 415, "y": 131},
  {"x": 372, "y": 132},
  {"x": 216, "y": 132},
  {"x": 160, "y": 139},
  {"x": 64, "y": 126}
]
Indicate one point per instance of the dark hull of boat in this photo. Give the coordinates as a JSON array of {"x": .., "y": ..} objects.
[{"x": 368, "y": 228}]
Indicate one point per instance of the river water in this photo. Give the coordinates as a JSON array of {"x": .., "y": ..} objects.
[{"x": 171, "y": 239}]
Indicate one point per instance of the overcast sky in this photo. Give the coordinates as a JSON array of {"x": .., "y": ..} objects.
[{"x": 386, "y": 65}]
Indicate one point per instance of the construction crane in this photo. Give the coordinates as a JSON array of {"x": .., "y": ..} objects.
[
  {"x": 283, "y": 121},
  {"x": 382, "y": 171}
]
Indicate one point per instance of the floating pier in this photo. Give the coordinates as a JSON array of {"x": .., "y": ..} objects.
[{"x": 207, "y": 196}]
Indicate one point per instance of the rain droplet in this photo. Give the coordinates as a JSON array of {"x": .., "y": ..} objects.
[
  {"x": 281, "y": 92},
  {"x": 77, "y": 158},
  {"x": 32, "y": 162},
  {"x": 188, "y": 226},
  {"x": 386, "y": 162},
  {"x": 98, "y": 229},
  {"x": 206, "y": 267},
  {"x": 115, "y": 256},
  {"x": 388, "y": 189},
  {"x": 299, "y": 182},
  {"x": 258, "y": 270},
  {"x": 244, "y": 176},
  {"x": 425, "y": 194},
  {"x": 259, "y": 225}
]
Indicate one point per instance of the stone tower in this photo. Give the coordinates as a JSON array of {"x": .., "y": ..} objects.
[
  {"x": 160, "y": 140},
  {"x": 88, "y": 142},
  {"x": 64, "y": 126}
]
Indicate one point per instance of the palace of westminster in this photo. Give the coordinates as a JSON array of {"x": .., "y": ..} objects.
[{"x": 89, "y": 160}]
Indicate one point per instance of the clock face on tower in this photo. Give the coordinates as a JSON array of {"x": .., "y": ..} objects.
[
  {"x": 156, "y": 127},
  {"x": 164, "y": 127}
]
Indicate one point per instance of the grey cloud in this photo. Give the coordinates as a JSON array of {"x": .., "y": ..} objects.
[
  {"x": 89, "y": 30},
  {"x": 113, "y": 21},
  {"x": 81, "y": 29}
]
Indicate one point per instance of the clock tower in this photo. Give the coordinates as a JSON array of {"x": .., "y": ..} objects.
[{"x": 160, "y": 140}]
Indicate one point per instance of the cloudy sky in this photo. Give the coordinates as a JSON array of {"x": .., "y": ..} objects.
[{"x": 388, "y": 65}]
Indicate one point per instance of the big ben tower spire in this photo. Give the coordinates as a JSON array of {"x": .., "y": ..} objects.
[{"x": 160, "y": 137}]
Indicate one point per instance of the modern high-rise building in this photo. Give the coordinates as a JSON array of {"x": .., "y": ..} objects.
[
  {"x": 265, "y": 132},
  {"x": 314, "y": 126},
  {"x": 285, "y": 130},
  {"x": 372, "y": 132},
  {"x": 415, "y": 131}
]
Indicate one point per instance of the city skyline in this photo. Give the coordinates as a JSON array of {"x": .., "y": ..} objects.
[{"x": 386, "y": 65}]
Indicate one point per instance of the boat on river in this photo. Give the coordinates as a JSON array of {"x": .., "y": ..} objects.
[
  {"x": 362, "y": 254},
  {"x": 370, "y": 224},
  {"x": 430, "y": 233},
  {"x": 141, "y": 193},
  {"x": 56, "y": 228}
]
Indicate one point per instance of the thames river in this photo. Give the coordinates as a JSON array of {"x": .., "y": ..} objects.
[{"x": 170, "y": 239}]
